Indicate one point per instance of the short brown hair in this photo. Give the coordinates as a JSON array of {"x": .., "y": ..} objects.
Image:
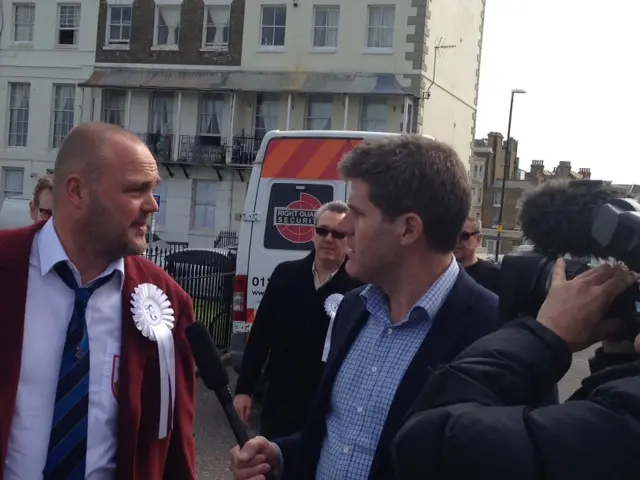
[
  {"x": 414, "y": 174},
  {"x": 44, "y": 183}
]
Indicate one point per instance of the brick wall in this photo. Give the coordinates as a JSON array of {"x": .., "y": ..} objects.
[{"x": 190, "y": 41}]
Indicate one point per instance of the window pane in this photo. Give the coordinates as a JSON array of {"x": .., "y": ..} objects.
[
  {"x": 23, "y": 21},
  {"x": 19, "y": 96},
  {"x": 204, "y": 207},
  {"x": 63, "y": 112},
  {"x": 126, "y": 14},
  {"x": 116, "y": 14},
  {"x": 281, "y": 16},
  {"x": 279, "y": 36},
  {"x": 374, "y": 114},
  {"x": 13, "y": 179},
  {"x": 268, "y": 15}
]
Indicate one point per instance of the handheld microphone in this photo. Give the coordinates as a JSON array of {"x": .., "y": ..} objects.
[
  {"x": 215, "y": 378},
  {"x": 558, "y": 217}
]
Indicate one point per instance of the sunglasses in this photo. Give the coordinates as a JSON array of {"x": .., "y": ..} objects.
[
  {"x": 467, "y": 235},
  {"x": 323, "y": 232}
]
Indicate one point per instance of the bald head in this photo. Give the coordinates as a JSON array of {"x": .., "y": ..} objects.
[{"x": 86, "y": 149}]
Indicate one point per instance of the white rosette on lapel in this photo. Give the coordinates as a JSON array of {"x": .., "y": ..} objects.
[
  {"x": 331, "y": 305},
  {"x": 153, "y": 316}
]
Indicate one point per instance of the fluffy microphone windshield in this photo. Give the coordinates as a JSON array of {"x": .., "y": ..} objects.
[{"x": 557, "y": 216}]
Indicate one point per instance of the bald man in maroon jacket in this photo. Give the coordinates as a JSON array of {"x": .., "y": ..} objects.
[{"x": 73, "y": 279}]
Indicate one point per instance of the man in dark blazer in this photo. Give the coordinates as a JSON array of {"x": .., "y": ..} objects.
[
  {"x": 409, "y": 199},
  {"x": 76, "y": 285},
  {"x": 291, "y": 327}
]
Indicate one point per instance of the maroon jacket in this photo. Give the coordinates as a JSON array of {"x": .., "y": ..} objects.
[{"x": 141, "y": 455}]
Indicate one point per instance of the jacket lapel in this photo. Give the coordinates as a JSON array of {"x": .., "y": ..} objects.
[
  {"x": 134, "y": 353},
  {"x": 448, "y": 326},
  {"x": 346, "y": 329},
  {"x": 15, "y": 250}
]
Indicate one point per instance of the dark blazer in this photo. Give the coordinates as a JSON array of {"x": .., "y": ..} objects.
[
  {"x": 141, "y": 455},
  {"x": 469, "y": 312},
  {"x": 290, "y": 328}
]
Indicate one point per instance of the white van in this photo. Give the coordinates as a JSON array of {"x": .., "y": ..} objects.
[{"x": 295, "y": 172}]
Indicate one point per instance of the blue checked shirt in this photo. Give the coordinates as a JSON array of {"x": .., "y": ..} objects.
[{"x": 369, "y": 377}]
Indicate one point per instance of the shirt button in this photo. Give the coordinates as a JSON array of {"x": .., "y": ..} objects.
[
  {"x": 345, "y": 449},
  {"x": 374, "y": 369},
  {"x": 389, "y": 332},
  {"x": 360, "y": 409}
]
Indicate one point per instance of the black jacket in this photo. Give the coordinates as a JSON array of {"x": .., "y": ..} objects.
[
  {"x": 290, "y": 329},
  {"x": 469, "y": 312},
  {"x": 472, "y": 418}
]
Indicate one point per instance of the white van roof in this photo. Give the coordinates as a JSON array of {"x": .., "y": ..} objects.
[
  {"x": 14, "y": 213},
  {"x": 322, "y": 134}
]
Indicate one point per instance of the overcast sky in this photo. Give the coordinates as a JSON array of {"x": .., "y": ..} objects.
[{"x": 579, "y": 61}]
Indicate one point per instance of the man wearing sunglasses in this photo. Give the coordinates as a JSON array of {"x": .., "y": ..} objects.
[
  {"x": 484, "y": 273},
  {"x": 290, "y": 328},
  {"x": 41, "y": 206}
]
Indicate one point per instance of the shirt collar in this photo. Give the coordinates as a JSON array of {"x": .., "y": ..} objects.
[
  {"x": 433, "y": 298},
  {"x": 51, "y": 251}
]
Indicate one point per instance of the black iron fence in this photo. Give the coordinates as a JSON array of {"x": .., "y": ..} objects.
[
  {"x": 207, "y": 276},
  {"x": 226, "y": 239}
]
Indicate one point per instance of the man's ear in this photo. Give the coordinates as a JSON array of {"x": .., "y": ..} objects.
[{"x": 411, "y": 228}]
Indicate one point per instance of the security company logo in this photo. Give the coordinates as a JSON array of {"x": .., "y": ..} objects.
[{"x": 295, "y": 222}]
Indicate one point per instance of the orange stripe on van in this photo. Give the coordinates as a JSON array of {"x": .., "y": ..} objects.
[
  {"x": 279, "y": 152},
  {"x": 306, "y": 158}
]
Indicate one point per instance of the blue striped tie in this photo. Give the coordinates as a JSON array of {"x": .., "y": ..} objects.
[{"x": 66, "y": 458}]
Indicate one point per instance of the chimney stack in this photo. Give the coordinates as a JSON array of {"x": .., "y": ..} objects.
[
  {"x": 585, "y": 173},
  {"x": 563, "y": 170}
]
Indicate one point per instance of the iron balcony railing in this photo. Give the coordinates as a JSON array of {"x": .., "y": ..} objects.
[{"x": 202, "y": 149}]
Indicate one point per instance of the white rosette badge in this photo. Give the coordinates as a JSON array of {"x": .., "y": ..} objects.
[
  {"x": 331, "y": 305},
  {"x": 153, "y": 316}
]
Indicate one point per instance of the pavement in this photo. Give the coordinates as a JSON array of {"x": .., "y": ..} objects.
[{"x": 214, "y": 438}]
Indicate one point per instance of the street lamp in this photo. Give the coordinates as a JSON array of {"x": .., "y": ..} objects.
[{"x": 506, "y": 170}]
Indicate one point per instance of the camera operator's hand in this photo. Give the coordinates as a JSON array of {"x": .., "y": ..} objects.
[{"x": 575, "y": 309}]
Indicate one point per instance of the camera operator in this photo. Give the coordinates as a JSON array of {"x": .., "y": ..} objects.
[{"x": 473, "y": 419}]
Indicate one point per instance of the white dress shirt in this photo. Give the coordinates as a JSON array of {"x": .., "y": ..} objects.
[{"x": 49, "y": 306}]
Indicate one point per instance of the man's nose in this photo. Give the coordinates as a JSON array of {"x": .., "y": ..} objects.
[{"x": 150, "y": 204}]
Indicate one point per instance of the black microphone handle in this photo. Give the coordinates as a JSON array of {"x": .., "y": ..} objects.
[{"x": 237, "y": 426}]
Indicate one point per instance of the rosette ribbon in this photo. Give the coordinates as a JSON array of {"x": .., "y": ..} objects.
[
  {"x": 331, "y": 305},
  {"x": 154, "y": 318}
]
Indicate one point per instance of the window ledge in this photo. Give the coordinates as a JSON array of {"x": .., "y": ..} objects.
[
  {"x": 219, "y": 49},
  {"x": 116, "y": 47},
  {"x": 22, "y": 44},
  {"x": 66, "y": 47},
  {"x": 378, "y": 51},
  {"x": 16, "y": 148},
  {"x": 209, "y": 232},
  {"x": 323, "y": 50},
  {"x": 269, "y": 49},
  {"x": 166, "y": 48}
]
